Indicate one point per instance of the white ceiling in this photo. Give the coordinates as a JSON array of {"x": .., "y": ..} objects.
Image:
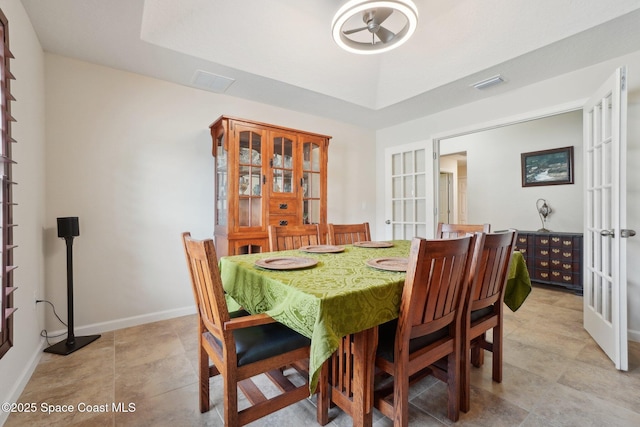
[{"x": 280, "y": 52}]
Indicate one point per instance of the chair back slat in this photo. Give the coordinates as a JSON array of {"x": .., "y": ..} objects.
[
  {"x": 282, "y": 238},
  {"x": 451, "y": 231},
  {"x": 347, "y": 234},
  {"x": 436, "y": 282},
  {"x": 489, "y": 284},
  {"x": 206, "y": 285}
]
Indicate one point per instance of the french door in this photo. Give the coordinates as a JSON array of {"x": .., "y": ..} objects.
[
  {"x": 409, "y": 192},
  {"x": 605, "y": 233}
]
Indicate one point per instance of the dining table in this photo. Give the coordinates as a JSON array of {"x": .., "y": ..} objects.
[{"x": 328, "y": 293}]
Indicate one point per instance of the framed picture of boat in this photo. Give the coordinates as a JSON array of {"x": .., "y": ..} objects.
[{"x": 547, "y": 167}]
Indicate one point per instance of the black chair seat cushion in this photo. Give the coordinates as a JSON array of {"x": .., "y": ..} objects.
[
  {"x": 387, "y": 338},
  {"x": 478, "y": 314},
  {"x": 264, "y": 341}
]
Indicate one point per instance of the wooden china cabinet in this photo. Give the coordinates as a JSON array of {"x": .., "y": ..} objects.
[{"x": 265, "y": 175}]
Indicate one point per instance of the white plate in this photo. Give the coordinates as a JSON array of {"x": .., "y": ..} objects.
[
  {"x": 286, "y": 263},
  {"x": 373, "y": 244},
  {"x": 322, "y": 249},
  {"x": 389, "y": 264}
]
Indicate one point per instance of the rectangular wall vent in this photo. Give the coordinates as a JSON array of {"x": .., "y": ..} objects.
[
  {"x": 211, "y": 82},
  {"x": 491, "y": 81}
]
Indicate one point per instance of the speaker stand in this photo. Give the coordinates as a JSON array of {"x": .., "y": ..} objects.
[{"x": 72, "y": 343}]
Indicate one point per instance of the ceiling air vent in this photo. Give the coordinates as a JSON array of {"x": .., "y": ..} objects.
[
  {"x": 491, "y": 81},
  {"x": 211, "y": 82}
]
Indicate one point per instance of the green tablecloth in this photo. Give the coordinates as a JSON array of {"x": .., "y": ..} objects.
[
  {"x": 341, "y": 295},
  {"x": 518, "y": 283}
]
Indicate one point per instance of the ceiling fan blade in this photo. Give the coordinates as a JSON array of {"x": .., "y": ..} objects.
[
  {"x": 385, "y": 35},
  {"x": 355, "y": 30},
  {"x": 381, "y": 14}
]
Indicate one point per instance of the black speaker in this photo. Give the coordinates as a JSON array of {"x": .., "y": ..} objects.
[{"x": 68, "y": 227}]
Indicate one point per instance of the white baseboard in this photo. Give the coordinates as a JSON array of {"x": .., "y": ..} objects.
[
  {"x": 112, "y": 325},
  {"x": 23, "y": 379},
  {"x": 633, "y": 335}
]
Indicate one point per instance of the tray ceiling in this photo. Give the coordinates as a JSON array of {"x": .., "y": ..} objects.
[{"x": 281, "y": 52}]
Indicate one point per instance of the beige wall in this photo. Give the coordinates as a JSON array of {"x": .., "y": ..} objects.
[
  {"x": 131, "y": 157},
  {"x": 494, "y": 187}
]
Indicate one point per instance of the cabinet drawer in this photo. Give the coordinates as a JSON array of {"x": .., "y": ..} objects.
[
  {"x": 564, "y": 242},
  {"x": 284, "y": 220},
  {"x": 571, "y": 267},
  {"x": 283, "y": 207},
  {"x": 564, "y": 277},
  {"x": 542, "y": 241},
  {"x": 539, "y": 252}
]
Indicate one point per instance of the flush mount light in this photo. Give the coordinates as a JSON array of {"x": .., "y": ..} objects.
[{"x": 400, "y": 18}]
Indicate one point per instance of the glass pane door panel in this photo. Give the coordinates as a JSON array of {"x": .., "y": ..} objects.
[
  {"x": 409, "y": 230},
  {"x": 311, "y": 185},
  {"x": 256, "y": 211},
  {"x": 250, "y": 179},
  {"x": 421, "y": 185},
  {"x": 311, "y": 214},
  {"x": 396, "y": 164},
  {"x": 311, "y": 157},
  {"x": 250, "y": 148},
  {"x": 249, "y": 211},
  {"x": 407, "y": 184},
  {"x": 282, "y": 181},
  {"x": 421, "y": 211},
  {"x": 409, "y": 207},
  {"x": 396, "y": 187},
  {"x": 282, "y": 165},
  {"x": 407, "y": 162},
  {"x": 222, "y": 208},
  {"x": 421, "y": 161},
  {"x": 244, "y": 212},
  {"x": 397, "y": 211}
]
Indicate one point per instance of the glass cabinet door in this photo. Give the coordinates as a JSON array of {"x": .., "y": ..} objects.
[
  {"x": 250, "y": 179},
  {"x": 283, "y": 165},
  {"x": 311, "y": 180},
  {"x": 222, "y": 206}
]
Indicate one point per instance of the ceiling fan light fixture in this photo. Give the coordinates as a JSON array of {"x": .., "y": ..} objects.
[{"x": 366, "y": 8}]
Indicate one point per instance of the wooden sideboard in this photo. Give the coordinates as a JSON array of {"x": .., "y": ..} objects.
[{"x": 553, "y": 258}]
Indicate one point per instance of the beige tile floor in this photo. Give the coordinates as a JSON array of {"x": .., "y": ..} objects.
[{"x": 554, "y": 375}]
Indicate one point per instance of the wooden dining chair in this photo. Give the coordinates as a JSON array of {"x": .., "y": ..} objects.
[
  {"x": 240, "y": 347},
  {"x": 285, "y": 237},
  {"x": 429, "y": 327},
  {"x": 347, "y": 234},
  {"x": 447, "y": 231},
  {"x": 485, "y": 310}
]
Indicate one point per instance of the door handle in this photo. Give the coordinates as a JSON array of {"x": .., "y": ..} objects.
[
  {"x": 387, "y": 222},
  {"x": 624, "y": 233},
  {"x": 608, "y": 233}
]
